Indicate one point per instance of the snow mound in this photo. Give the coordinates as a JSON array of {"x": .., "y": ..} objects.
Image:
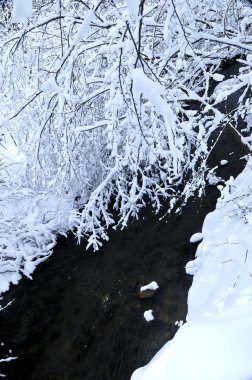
[
  {"x": 213, "y": 179},
  {"x": 195, "y": 238},
  {"x": 216, "y": 348},
  {"x": 218, "y": 77},
  {"x": 148, "y": 315},
  {"x": 151, "y": 286},
  {"x": 224, "y": 163},
  {"x": 216, "y": 341}
]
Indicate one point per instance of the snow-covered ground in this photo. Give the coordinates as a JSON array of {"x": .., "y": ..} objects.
[{"x": 216, "y": 341}]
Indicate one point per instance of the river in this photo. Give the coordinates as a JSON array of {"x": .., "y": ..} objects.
[{"x": 81, "y": 317}]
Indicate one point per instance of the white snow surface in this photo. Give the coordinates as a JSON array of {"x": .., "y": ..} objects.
[
  {"x": 218, "y": 77},
  {"x": 198, "y": 236},
  {"x": 133, "y": 7},
  {"x": 21, "y": 10},
  {"x": 209, "y": 348},
  {"x": 30, "y": 222},
  {"x": 151, "y": 286},
  {"x": 216, "y": 341},
  {"x": 179, "y": 323},
  {"x": 213, "y": 179},
  {"x": 224, "y": 162},
  {"x": 148, "y": 315}
]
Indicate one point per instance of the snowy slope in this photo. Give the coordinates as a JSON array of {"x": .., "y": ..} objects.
[{"x": 216, "y": 342}]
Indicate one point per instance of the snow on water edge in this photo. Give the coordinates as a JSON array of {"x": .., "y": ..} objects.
[{"x": 216, "y": 341}]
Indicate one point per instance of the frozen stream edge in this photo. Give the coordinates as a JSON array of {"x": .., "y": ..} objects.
[{"x": 216, "y": 341}]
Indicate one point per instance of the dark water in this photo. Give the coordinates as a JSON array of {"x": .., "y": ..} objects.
[{"x": 81, "y": 317}]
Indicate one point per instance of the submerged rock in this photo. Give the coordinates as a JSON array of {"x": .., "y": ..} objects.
[
  {"x": 224, "y": 163},
  {"x": 149, "y": 290},
  {"x": 148, "y": 315}
]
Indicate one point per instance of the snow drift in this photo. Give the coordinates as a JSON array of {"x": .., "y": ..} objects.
[{"x": 216, "y": 341}]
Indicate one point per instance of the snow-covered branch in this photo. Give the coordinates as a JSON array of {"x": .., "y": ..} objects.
[{"x": 100, "y": 100}]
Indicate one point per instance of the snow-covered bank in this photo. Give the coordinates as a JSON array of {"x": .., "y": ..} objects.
[{"x": 215, "y": 343}]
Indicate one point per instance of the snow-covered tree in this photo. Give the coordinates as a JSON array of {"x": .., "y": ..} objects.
[{"x": 99, "y": 100}]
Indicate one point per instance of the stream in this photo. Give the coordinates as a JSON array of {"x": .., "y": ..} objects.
[{"x": 81, "y": 317}]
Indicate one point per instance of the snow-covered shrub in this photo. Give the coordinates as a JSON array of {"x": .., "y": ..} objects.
[{"x": 96, "y": 100}]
